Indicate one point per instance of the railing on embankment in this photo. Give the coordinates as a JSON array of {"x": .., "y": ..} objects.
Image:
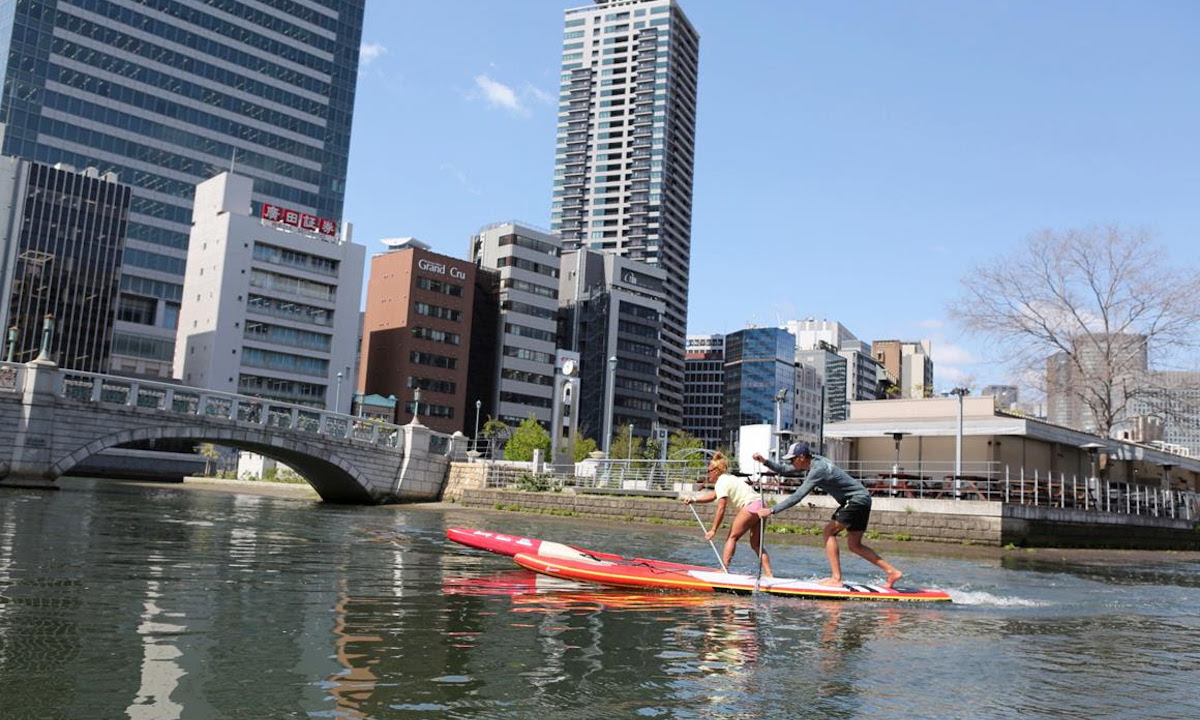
[{"x": 1135, "y": 517}]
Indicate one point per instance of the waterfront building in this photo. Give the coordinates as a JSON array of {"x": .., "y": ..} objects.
[
  {"x": 270, "y": 300},
  {"x": 417, "y": 332},
  {"x": 613, "y": 307},
  {"x": 168, "y": 93},
  {"x": 526, "y": 261},
  {"x": 704, "y": 388},
  {"x": 908, "y": 364},
  {"x": 759, "y": 363},
  {"x": 625, "y": 150},
  {"x": 1115, "y": 363},
  {"x": 61, "y": 241}
]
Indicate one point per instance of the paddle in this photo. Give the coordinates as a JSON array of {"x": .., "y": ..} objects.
[{"x": 710, "y": 542}]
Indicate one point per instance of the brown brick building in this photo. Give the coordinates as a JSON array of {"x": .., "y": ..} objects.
[{"x": 417, "y": 333}]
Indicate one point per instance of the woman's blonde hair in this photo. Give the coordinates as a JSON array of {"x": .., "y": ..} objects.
[{"x": 719, "y": 462}]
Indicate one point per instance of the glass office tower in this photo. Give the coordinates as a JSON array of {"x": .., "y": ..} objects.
[
  {"x": 168, "y": 93},
  {"x": 625, "y": 147}
]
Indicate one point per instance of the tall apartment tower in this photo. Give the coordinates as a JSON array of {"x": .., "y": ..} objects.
[
  {"x": 704, "y": 388},
  {"x": 168, "y": 93},
  {"x": 527, "y": 262},
  {"x": 624, "y": 156},
  {"x": 61, "y": 237}
]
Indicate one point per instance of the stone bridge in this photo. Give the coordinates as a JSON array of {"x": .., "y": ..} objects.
[{"x": 53, "y": 419}]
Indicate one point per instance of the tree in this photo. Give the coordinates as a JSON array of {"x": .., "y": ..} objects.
[
  {"x": 621, "y": 445},
  {"x": 1089, "y": 305},
  {"x": 496, "y": 431},
  {"x": 528, "y": 436},
  {"x": 209, "y": 452},
  {"x": 682, "y": 445},
  {"x": 584, "y": 448}
]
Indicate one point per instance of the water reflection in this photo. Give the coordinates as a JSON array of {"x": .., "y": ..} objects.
[
  {"x": 152, "y": 603},
  {"x": 160, "y": 671}
]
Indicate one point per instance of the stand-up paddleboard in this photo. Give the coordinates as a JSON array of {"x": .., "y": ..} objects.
[
  {"x": 510, "y": 545},
  {"x": 629, "y": 575}
]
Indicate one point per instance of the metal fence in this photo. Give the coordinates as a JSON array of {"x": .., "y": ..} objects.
[{"x": 670, "y": 478}]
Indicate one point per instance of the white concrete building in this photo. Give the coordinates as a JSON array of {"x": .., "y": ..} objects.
[
  {"x": 270, "y": 301},
  {"x": 528, "y": 262}
]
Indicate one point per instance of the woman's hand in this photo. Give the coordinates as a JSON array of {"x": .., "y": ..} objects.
[
  {"x": 709, "y": 535},
  {"x": 688, "y": 500}
]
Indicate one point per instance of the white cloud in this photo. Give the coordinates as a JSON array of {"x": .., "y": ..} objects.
[
  {"x": 498, "y": 95},
  {"x": 945, "y": 353},
  {"x": 538, "y": 94},
  {"x": 461, "y": 177},
  {"x": 370, "y": 52},
  {"x": 931, "y": 324},
  {"x": 949, "y": 375}
]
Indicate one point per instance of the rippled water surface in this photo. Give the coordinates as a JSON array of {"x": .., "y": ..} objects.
[{"x": 145, "y": 602}]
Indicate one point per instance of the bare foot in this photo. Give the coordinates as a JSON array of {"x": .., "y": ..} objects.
[
  {"x": 830, "y": 582},
  {"x": 892, "y": 577}
]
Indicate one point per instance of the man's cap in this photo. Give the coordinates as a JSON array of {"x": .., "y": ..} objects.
[{"x": 797, "y": 450}]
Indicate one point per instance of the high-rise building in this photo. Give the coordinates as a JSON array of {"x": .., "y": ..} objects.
[
  {"x": 759, "y": 363},
  {"x": 269, "y": 308},
  {"x": 613, "y": 307},
  {"x": 908, "y": 364},
  {"x": 832, "y": 369},
  {"x": 527, "y": 262},
  {"x": 704, "y": 388},
  {"x": 1103, "y": 370},
  {"x": 168, "y": 93},
  {"x": 808, "y": 402},
  {"x": 417, "y": 332},
  {"x": 861, "y": 370},
  {"x": 61, "y": 237},
  {"x": 625, "y": 148}
]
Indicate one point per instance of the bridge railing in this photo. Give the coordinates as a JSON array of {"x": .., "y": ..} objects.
[
  {"x": 182, "y": 400},
  {"x": 11, "y": 377}
]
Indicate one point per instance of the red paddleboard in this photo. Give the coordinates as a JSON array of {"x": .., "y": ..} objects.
[
  {"x": 648, "y": 577},
  {"x": 511, "y": 545}
]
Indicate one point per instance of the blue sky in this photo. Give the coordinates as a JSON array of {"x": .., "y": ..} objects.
[{"x": 853, "y": 159}]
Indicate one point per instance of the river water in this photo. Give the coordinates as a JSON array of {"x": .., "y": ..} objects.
[{"x": 152, "y": 602}]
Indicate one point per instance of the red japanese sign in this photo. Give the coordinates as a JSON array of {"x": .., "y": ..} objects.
[{"x": 295, "y": 218}]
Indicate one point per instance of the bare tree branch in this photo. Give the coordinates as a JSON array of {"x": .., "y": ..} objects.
[{"x": 1102, "y": 301}]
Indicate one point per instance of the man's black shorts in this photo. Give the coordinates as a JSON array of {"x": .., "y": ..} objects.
[{"x": 854, "y": 514}]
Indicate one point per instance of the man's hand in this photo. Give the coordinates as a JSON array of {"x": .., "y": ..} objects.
[
  {"x": 759, "y": 458},
  {"x": 764, "y": 512}
]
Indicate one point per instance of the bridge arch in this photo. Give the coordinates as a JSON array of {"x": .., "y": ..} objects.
[{"x": 334, "y": 479}]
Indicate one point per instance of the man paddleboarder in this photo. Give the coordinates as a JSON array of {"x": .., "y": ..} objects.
[{"x": 852, "y": 514}]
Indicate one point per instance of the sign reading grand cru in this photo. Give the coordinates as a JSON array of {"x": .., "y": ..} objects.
[{"x": 297, "y": 219}]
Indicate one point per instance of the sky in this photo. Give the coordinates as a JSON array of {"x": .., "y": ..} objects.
[{"x": 854, "y": 159}]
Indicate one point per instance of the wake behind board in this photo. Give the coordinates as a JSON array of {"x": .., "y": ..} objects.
[
  {"x": 646, "y": 577},
  {"x": 510, "y": 545}
]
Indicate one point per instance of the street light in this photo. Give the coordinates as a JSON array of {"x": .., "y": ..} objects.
[
  {"x": 416, "y": 404},
  {"x": 337, "y": 398},
  {"x": 630, "y": 457},
  {"x": 958, "y": 439},
  {"x": 608, "y": 406},
  {"x": 475, "y": 437}
]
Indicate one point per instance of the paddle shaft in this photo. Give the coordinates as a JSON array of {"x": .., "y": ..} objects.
[{"x": 704, "y": 530}]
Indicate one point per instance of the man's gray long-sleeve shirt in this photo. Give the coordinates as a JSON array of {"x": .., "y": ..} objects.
[{"x": 823, "y": 474}]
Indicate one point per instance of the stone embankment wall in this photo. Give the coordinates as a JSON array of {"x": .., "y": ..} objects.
[{"x": 979, "y": 523}]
